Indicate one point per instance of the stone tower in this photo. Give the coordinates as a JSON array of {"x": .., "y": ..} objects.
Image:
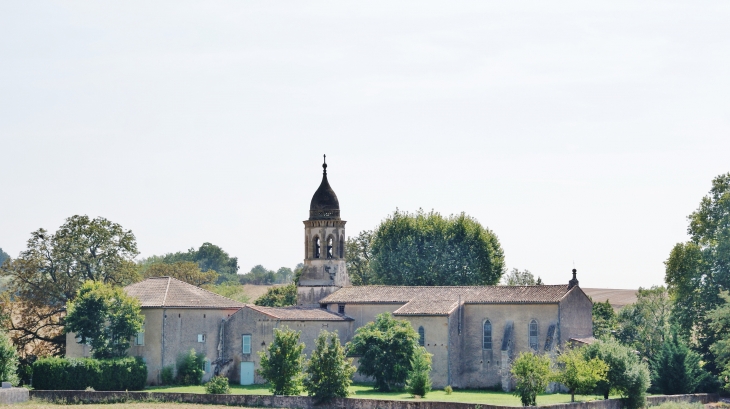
[{"x": 324, "y": 247}]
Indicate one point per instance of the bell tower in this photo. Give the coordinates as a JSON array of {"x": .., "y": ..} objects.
[{"x": 325, "y": 270}]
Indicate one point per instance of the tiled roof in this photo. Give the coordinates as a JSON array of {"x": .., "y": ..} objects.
[
  {"x": 169, "y": 292},
  {"x": 439, "y": 296},
  {"x": 426, "y": 306},
  {"x": 299, "y": 313}
]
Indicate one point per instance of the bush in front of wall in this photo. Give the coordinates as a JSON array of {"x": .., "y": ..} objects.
[
  {"x": 190, "y": 368},
  {"x": 168, "y": 375},
  {"x": 218, "y": 385},
  {"x": 55, "y": 373}
]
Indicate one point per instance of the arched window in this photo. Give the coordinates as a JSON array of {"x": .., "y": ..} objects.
[
  {"x": 342, "y": 246},
  {"x": 316, "y": 247},
  {"x": 330, "y": 243},
  {"x": 533, "y": 335},
  {"x": 487, "y": 340},
  {"x": 421, "y": 336}
]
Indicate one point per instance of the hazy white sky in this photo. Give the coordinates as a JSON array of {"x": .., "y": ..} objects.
[{"x": 579, "y": 132}]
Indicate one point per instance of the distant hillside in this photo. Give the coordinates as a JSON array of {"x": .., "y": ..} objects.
[{"x": 617, "y": 298}]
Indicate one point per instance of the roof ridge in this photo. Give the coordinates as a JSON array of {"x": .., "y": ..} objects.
[{"x": 164, "y": 299}]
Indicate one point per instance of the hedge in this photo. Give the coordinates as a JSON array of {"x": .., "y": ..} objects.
[{"x": 120, "y": 374}]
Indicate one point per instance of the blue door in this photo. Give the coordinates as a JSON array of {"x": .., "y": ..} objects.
[{"x": 246, "y": 373}]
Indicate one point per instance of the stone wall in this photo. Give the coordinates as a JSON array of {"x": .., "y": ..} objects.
[{"x": 305, "y": 402}]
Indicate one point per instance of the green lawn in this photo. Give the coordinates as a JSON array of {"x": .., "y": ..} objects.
[{"x": 366, "y": 391}]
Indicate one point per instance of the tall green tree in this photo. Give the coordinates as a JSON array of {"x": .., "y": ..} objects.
[
  {"x": 104, "y": 317},
  {"x": 720, "y": 325},
  {"x": 187, "y": 271},
  {"x": 209, "y": 257},
  {"x": 51, "y": 270},
  {"x": 533, "y": 373},
  {"x": 578, "y": 373},
  {"x": 357, "y": 256},
  {"x": 644, "y": 325},
  {"x": 328, "y": 372},
  {"x": 517, "y": 277},
  {"x": 675, "y": 369},
  {"x": 626, "y": 375},
  {"x": 385, "y": 347},
  {"x": 604, "y": 319},
  {"x": 418, "y": 382},
  {"x": 8, "y": 360},
  {"x": 3, "y": 256},
  {"x": 282, "y": 363},
  {"x": 429, "y": 249},
  {"x": 699, "y": 270},
  {"x": 279, "y": 296}
]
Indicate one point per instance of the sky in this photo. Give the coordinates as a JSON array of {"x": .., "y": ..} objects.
[{"x": 582, "y": 133}]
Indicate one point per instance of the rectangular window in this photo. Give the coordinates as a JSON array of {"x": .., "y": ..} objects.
[
  {"x": 341, "y": 308},
  {"x": 201, "y": 337},
  {"x": 139, "y": 341},
  {"x": 247, "y": 344},
  {"x": 206, "y": 366}
]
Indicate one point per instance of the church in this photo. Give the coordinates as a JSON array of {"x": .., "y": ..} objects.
[{"x": 473, "y": 332}]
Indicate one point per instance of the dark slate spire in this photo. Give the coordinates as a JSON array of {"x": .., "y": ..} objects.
[
  {"x": 324, "y": 205},
  {"x": 574, "y": 282}
]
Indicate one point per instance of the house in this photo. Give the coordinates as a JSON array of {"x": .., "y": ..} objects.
[{"x": 473, "y": 332}]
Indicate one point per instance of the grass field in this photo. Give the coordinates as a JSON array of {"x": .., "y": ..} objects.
[
  {"x": 367, "y": 392},
  {"x": 34, "y": 404}
]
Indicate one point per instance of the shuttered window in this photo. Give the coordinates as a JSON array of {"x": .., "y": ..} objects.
[{"x": 247, "y": 344}]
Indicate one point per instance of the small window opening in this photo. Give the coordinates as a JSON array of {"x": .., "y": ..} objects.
[
  {"x": 329, "y": 247},
  {"x": 533, "y": 335},
  {"x": 421, "y": 336},
  {"x": 316, "y": 247},
  {"x": 341, "y": 308},
  {"x": 487, "y": 344},
  {"x": 201, "y": 337}
]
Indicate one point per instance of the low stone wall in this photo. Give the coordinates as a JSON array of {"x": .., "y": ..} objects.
[
  {"x": 305, "y": 402},
  {"x": 8, "y": 396}
]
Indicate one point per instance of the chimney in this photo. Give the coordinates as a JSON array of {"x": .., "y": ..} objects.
[{"x": 574, "y": 282}]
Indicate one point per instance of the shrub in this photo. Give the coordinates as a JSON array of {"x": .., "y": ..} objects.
[
  {"x": 448, "y": 389},
  {"x": 419, "y": 379},
  {"x": 8, "y": 360},
  {"x": 578, "y": 374},
  {"x": 282, "y": 366},
  {"x": 533, "y": 373},
  {"x": 168, "y": 375},
  {"x": 218, "y": 386},
  {"x": 120, "y": 374},
  {"x": 329, "y": 372},
  {"x": 190, "y": 368},
  {"x": 626, "y": 374}
]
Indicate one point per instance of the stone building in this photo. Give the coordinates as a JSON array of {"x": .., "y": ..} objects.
[{"x": 473, "y": 332}]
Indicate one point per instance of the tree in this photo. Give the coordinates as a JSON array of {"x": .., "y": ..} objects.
[
  {"x": 279, "y": 296},
  {"x": 357, "y": 256},
  {"x": 8, "y": 360},
  {"x": 675, "y": 369},
  {"x": 104, "y": 317},
  {"x": 517, "y": 277},
  {"x": 578, "y": 374},
  {"x": 429, "y": 249},
  {"x": 261, "y": 276},
  {"x": 644, "y": 325},
  {"x": 50, "y": 271},
  {"x": 419, "y": 379},
  {"x": 533, "y": 373},
  {"x": 698, "y": 270},
  {"x": 232, "y": 290},
  {"x": 385, "y": 347},
  {"x": 719, "y": 323},
  {"x": 3, "y": 256},
  {"x": 190, "y": 368},
  {"x": 187, "y": 271},
  {"x": 282, "y": 364},
  {"x": 328, "y": 372},
  {"x": 626, "y": 374},
  {"x": 208, "y": 256},
  {"x": 604, "y": 319}
]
